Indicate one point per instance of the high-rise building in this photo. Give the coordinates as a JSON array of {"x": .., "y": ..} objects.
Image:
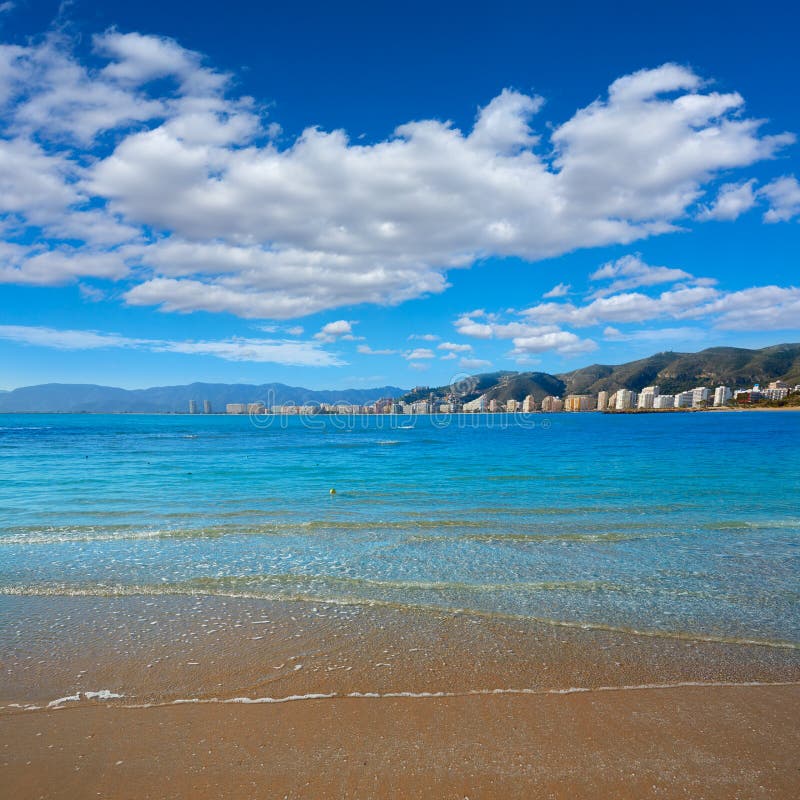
[
  {"x": 683, "y": 399},
  {"x": 207, "y": 407},
  {"x": 602, "y": 401},
  {"x": 235, "y": 408},
  {"x": 699, "y": 396},
  {"x": 647, "y": 397},
  {"x": 721, "y": 395},
  {"x": 528, "y": 404},
  {"x": 664, "y": 401},
  {"x": 193, "y": 406},
  {"x": 626, "y": 399},
  {"x": 551, "y": 403},
  {"x": 577, "y": 402}
]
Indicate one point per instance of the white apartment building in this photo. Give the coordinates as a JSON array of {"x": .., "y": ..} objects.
[
  {"x": 478, "y": 404},
  {"x": 626, "y": 399},
  {"x": 699, "y": 396},
  {"x": 664, "y": 401},
  {"x": 528, "y": 404},
  {"x": 647, "y": 396},
  {"x": 683, "y": 400},
  {"x": 602, "y": 401},
  {"x": 721, "y": 395},
  {"x": 235, "y": 408}
]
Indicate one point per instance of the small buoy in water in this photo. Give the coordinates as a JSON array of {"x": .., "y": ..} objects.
[{"x": 333, "y": 492}]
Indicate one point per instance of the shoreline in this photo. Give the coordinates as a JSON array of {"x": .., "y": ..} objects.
[{"x": 235, "y": 698}]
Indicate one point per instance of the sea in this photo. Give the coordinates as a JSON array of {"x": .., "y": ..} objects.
[{"x": 674, "y": 524}]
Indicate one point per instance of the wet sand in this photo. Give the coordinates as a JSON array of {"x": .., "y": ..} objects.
[
  {"x": 688, "y": 742},
  {"x": 511, "y": 724}
]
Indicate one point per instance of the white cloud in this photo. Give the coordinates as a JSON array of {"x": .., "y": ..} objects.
[
  {"x": 454, "y": 347},
  {"x": 559, "y": 290},
  {"x": 655, "y": 334},
  {"x": 564, "y": 343},
  {"x": 474, "y": 363},
  {"x": 784, "y": 199},
  {"x": 630, "y": 272},
  {"x": 424, "y": 337},
  {"x": 527, "y": 338},
  {"x": 366, "y": 350},
  {"x": 210, "y": 213},
  {"x": 419, "y": 353},
  {"x": 274, "y": 351},
  {"x": 340, "y": 329},
  {"x": 7, "y": 6},
  {"x": 731, "y": 202},
  {"x": 91, "y": 293}
]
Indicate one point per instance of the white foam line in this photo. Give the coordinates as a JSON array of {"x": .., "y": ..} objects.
[
  {"x": 105, "y": 694},
  {"x": 468, "y": 693}
]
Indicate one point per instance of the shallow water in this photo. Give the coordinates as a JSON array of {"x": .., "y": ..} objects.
[{"x": 665, "y": 523}]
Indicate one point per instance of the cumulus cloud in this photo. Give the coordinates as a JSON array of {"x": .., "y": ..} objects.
[
  {"x": 419, "y": 353},
  {"x": 339, "y": 329},
  {"x": 202, "y": 209},
  {"x": 731, "y": 202},
  {"x": 783, "y": 196},
  {"x": 559, "y": 290},
  {"x": 630, "y": 272},
  {"x": 527, "y": 338},
  {"x": 454, "y": 347},
  {"x": 293, "y": 353},
  {"x": 424, "y": 337},
  {"x": 544, "y": 327}
]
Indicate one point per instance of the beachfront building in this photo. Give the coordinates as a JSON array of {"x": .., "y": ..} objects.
[
  {"x": 577, "y": 402},
  {"x": 235, "y": 408},
  {"x": 476, "y": 405},
  {"x": 528, "y": 404},
  {"x": 664, "y": 401},
  {"x": 699, "y": 396},
  {"x": 207, "y": 407},
  {"x": 683, "y": 400},
  {"x": 255, "y": 408},
  {"x": 647, "y": 396},
  {"x": 193, "y": 406},
  {"x": 722, "y": 394},
  {"x": 511, "y": 406},
  {"x": 493, "y": 406},
  {"x": 551, "y": 403},
  {"x": 626, "y": 399},
  {"x": 602, "y": 401},
  {"x": 778, "y": 393}
]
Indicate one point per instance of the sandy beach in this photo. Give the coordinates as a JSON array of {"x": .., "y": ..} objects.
[{"x": 308, "y": 701}]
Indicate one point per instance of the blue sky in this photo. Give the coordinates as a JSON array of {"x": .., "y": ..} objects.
[{"x": 336, "y": 196}]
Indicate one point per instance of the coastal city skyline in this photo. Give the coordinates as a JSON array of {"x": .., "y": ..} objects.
[{"x": 177, "y": 207}]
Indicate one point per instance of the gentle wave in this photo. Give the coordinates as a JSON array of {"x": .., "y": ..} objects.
[
  {"x": 105, "y": 694},
  {"x": 194, "y": 588}
]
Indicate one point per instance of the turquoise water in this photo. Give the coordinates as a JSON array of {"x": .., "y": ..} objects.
[{"x": 672, "y": 523}]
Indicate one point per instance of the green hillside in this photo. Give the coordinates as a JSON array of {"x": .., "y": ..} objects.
[{"x": 736, "y": 367}]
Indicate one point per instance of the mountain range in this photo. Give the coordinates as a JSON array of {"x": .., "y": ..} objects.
[
  {"x": 73, "y": 398},
  {"x": 736, "y": 367}
]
